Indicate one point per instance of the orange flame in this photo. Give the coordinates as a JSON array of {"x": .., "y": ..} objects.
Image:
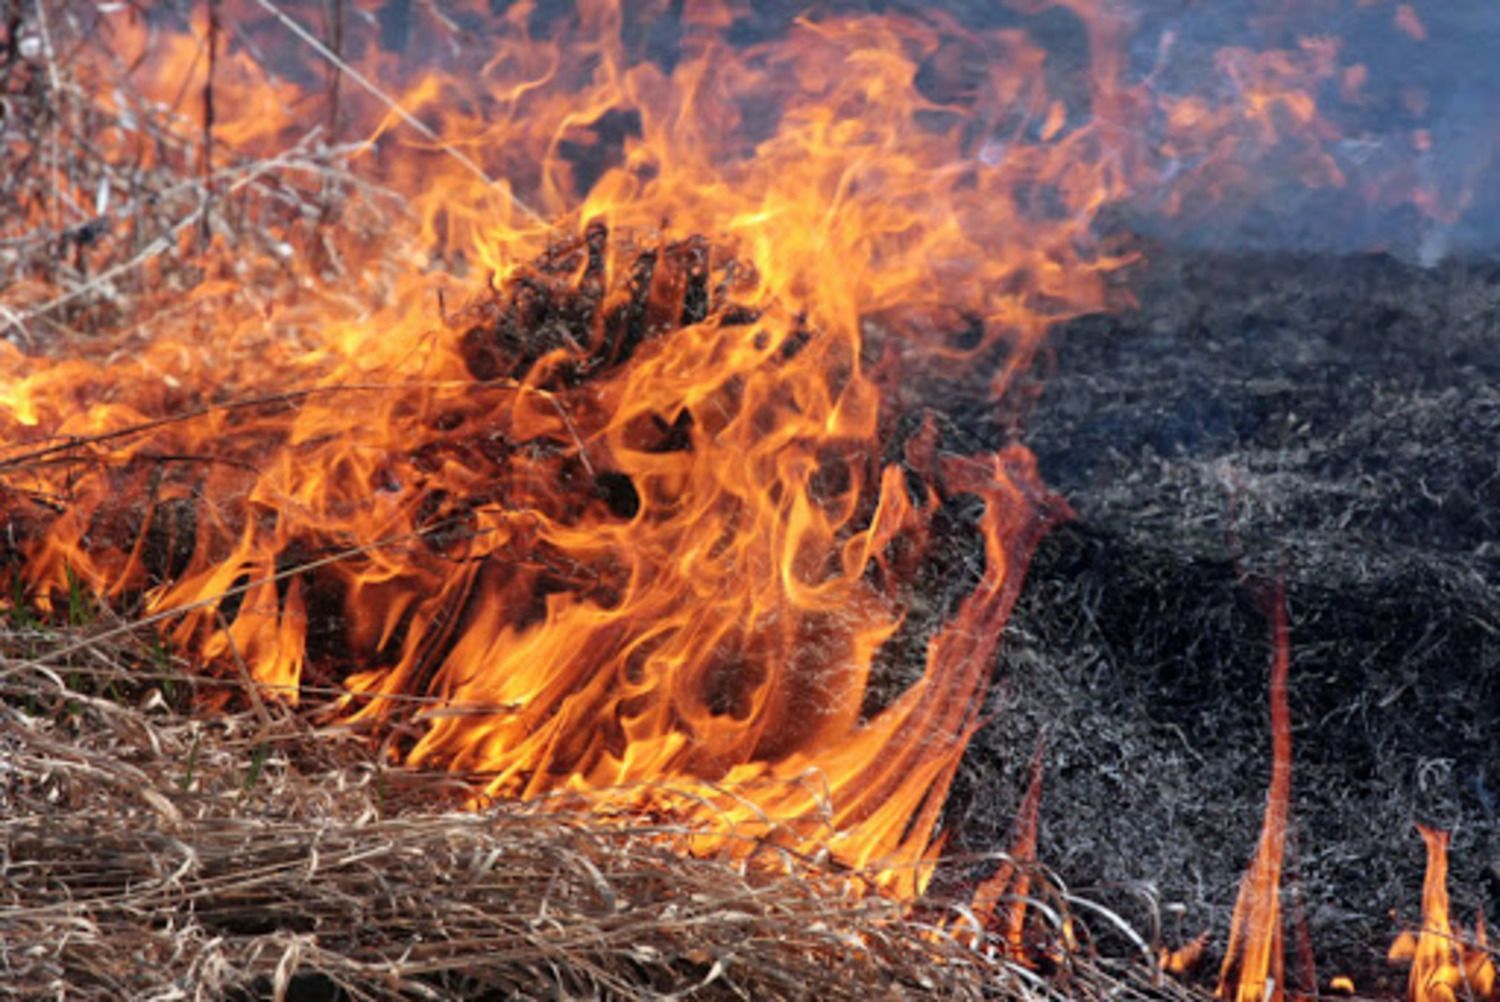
[
  {"x": 1186, "y": 957},
  {"x": 1013, "y": 876},
  {"x": 638, "y": 521},
  {"x": 629, "y": 517},
  {"x": 1444, "y": 966},
  {"x": 1253, "y": 964}
]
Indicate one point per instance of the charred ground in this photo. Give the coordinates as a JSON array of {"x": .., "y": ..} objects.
[{"x": 1331, "y": 419}]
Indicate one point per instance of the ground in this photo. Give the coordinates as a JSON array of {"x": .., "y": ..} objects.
[{"x": 1329, "y": 419}]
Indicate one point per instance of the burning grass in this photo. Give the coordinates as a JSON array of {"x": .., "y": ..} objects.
[
  {"x": 168, "y": 833},
  {"x": 673, "y": 503},
  {"x": 647, "y": 508},
  {"x": 151, "y": 852}
]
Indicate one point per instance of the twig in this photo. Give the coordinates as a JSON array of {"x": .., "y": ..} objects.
[
  {"x": 287, "y": 397},
  {"x": 18, "y": 322},
  {"x": 56, "y": 111},
  {"x": 252, "y": 690},
  {"x": 160, "y": 245},
  {"x": 207, "y": 159}
]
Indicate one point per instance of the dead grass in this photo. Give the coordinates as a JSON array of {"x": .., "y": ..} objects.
[
  {"x": 149, "y": 852},
  {"x": 118, "y": 206}
]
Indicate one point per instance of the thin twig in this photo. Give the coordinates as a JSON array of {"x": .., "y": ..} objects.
[
  {"x": 155, "y": 248},
  {"x": 288, "y": 397},
  {"x": 207, "y": 160}
]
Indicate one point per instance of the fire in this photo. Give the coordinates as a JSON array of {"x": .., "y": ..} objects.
[
  {"x": 1183, "y": 959},
  {"x": 1253, "y": 963},
  {"x": 638, "y": 515},
  {"x": 1012, "y": 878},
  {"x": 1445, "y": 966},
  {"x": 630, "y": 523}
]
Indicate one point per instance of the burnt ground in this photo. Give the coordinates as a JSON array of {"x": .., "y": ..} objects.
[{"x": 1336, "y": 419}]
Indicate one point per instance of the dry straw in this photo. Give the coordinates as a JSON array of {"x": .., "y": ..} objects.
[{"x": 150, "y": 852}]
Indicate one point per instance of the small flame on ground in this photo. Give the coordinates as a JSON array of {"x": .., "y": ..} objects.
[
  {"x": 1186, "y": 957},
  {"x": 1011, "y": 881},
  {"x": 1445, "y": 966},
  {"x": 1253, "y": 968}
]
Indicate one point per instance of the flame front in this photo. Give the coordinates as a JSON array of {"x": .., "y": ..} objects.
[{"x": 639, "y": 520}]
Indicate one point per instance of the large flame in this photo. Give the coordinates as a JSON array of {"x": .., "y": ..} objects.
[{"x": 638, "y": 520}]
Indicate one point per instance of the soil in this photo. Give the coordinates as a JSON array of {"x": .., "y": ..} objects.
[{"x": 1329, "y": 420}]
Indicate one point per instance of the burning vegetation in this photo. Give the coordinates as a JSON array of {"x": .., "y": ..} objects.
[{"x": 511, "y": 477}]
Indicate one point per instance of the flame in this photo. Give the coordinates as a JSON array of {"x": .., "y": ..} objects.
[
  {"x": 638, "y": 519},
  {"x": 628, "y": 523},
  {"x": 1183, "y": 959},
  {"x": 1444, "y": 965},
  {"x": 1012, "y": 878},
  {"x": 1253, "y": 963}
]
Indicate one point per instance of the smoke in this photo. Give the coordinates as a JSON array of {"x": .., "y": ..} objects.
[{"x": 1412, "y": 106}]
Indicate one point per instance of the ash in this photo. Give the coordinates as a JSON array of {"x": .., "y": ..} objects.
[{"x": 1330, "y": 419}]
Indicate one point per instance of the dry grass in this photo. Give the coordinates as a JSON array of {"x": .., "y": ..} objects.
[{"x": 152, "y": 853}]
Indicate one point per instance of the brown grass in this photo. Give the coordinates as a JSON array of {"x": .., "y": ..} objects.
[{"x": 153, "y": 853}]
